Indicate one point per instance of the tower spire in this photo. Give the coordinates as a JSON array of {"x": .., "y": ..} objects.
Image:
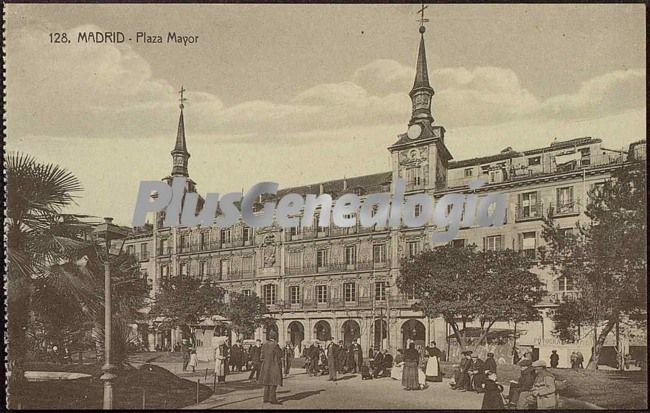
[
  {"x": 180, "y": 155},
  {"x": 422, "y": 91}
]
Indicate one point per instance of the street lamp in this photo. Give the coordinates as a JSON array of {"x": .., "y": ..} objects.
[{"x": 110, "y": 238}]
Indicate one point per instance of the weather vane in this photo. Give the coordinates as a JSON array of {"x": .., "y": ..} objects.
[
  {"x": 182, "y": 99},
  {"x": 422, "y": 20}
]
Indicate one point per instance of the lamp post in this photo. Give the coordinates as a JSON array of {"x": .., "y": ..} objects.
[{"x": 105, "y": 234}]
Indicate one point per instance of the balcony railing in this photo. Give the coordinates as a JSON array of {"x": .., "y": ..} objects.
[
  {"x": 393, "y": 301},
  {"x": 337, "y": 267},
  {"x": 566, "y": 208},
  {"x": 529, "y": 213},
  {"x": 164, "y": 251}
]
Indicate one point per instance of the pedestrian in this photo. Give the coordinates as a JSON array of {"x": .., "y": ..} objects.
[
  {"x": 332, "y": 355},
  {"x": 492, "y": 399},
  {"x": 235, "y": 357},
  {"x": 288, "y": 356},
  {"x": 255, "y": 354},
  {"x": 464, "y": 383},
  {"x": 544, "y": 391},
  {"x": 410, "y": 372},
  {"x": 387, "y": 363},
  {"x": 220, "y": 362},
  {"x": 477, "y": 374},
  {"x": 314, "y": 358},
  {"x": 377, "y": 364},
  {"x": 579, "y": 360},
  {"x": 341, "y": 357},
  {"x": 433, "y": 372},
  {"x": 271, "y": 374},
  {"x": 521, "y": 397},
  {"x": 555, "y": 359},
  {"x": 193, "y": 361},
  {"x": 357, "y": 355},
  {"x": 398, "y": 367},
  {"x": 490, "y": 363},
  {"x": 186, "y": 355},
  {"x": 573, "y": 359}
]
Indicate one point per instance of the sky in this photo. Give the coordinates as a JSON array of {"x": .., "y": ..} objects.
[{"x": 300, "y": 94}]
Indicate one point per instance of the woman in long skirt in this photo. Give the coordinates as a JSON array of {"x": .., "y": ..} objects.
[
  {"x": 433, "y": 372},
  {"x": 410, "y": 373},
  {"x": 220, "y": 362}
]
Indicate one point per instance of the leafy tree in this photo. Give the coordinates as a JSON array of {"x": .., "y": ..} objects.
[
  {"x": 245, "y": 312},
  {"x": 184, "y": 301},
  {"x": 568, "y": 318},
  {"x": 606, "y": 258},
  {"x": 38, "y": 236},
  {"x": 464, "y": 285}
]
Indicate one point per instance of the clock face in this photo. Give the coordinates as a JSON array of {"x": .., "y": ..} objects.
[{"x": 414, "y": 131}]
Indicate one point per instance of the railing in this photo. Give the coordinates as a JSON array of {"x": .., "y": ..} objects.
[
  {"x": 214, "y": 245},
  {"x": 163, "y": 251},
  {"x": 525, "y": 172},
  {"x": 560, "y": 296},
  {"x": 567, "y": 208},
  {"x": 393, "y": 301},
  {"x": 337, "y": 267},
  {"x": 531, "y": 212}
]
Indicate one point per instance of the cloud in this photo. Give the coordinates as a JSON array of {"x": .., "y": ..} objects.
[{"x": 81, "y": 90}]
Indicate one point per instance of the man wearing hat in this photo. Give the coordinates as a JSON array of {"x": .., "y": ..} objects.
[
  {"x": 477, "y": 374},
  {"x": 271, "y": 371},
  {"x": 519, "y": 394},
  {"x": 490, "y": 363},
  {"x": 544, "y": 387},
  {"x": 463, "y": 383}
]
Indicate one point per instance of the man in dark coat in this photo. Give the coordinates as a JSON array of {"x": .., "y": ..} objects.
[
  {"x": 477, "y": 373},
  {"x": 341, "y": 357},
  {"x": 235, "y": 357},
  {"x": 332, "y": 355},
  {"x": 186, "y": 355},
  {"x": 555, "y": 359},
  {"x": 525, "y": 385},
  {"x": 490, "y": 363},
  {"x": 255, "y": 354},
  {"x": 357, "y": 355},
  {"x": 314, "y": 357},
  {"x": 271, "y": 372},
  {"x": 378, "y": 364}
]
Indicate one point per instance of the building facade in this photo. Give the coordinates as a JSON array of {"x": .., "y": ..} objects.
[{"x": 319, "y": 282}]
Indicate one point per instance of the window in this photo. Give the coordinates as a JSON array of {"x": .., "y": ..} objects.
[
  {"x": 566, "y": 284},
  {"x": 295, "y": 260},
  {"x": 294, "y": 294},
  {"x": 379, "y": 253},
  {"x": 418, "y": 210},
  {"x": 458, "y": 243},
  {"x": 295, "y": 230},
  {"x": 413, "y": 176},
  {"x": 164, "y": 271},
  {"x": 380, "y": 290},
  {"x": 566, "y": 232},
  {"x": 247, "y": 234},
  {"x": 269, "y": 294},
  {"x": 225, "y": 236},
  {"x": 493, "y": 243},
  {"x": 412, "y": 248},
  {"x": 528, "y": 206},
  {"x": 204, "y": 237},
  {"x": 183, "y": 269},
  {"x": 535, "y": 160},
  {"x": 185, "y": 242},
  {"x": 350, "y": 292},
  {"x": 597, "y": 189},
  {"x": 468, "y": 172},
  {"x": 528, "y": 244},
  {"x": 203, "y": 270},
  {"x": 247, "y": 265},
  {"x": 496, "y": 176},
  {"x": 410, "y": 294},
  {"x": 130, "y": 249},
  {"x": 224, "y": 268},
  {"x": 247, "y": 293},
  {"x": 164, "y": 247},
  {"x": 322, "y": 258},
  {"x": 585, "y": 159},
  {"x": 321, "y": 294},
  {"x": 350, "y": 255},
  {"x": 144, "y": 251},
  {"x": 565, "y": 199}
]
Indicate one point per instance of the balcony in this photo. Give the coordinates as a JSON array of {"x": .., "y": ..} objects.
[
  {"x": 164, "y": 251},
  {"x": 566, "y": 209},
  {"x": 365, "y": 302},
  {"x": 337, "y": 267},
  {"x": 529, "y": 213}
]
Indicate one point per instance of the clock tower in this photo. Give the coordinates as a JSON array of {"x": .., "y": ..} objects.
[{"x": 420, "y": 157}]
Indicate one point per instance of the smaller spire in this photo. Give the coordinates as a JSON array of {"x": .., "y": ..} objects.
[{"x": 180, "y": 155}]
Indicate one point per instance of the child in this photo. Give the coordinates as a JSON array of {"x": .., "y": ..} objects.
[
  {"x": 492, "y": 400},
  {"x": 193, "y": 361}
]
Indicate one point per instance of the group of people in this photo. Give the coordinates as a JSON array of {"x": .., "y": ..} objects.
[
  {"x": 472, "y": 372},
  {"x": 333, "y": 358},
  {"x": 577, "y": 359}
]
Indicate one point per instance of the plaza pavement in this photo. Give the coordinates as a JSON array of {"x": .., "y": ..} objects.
[{"x": 301, "y": 391}]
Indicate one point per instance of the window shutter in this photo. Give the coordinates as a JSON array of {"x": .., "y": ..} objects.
[
  {"x": 519, "y": 200},
  {"x": 520, "y": 244}
]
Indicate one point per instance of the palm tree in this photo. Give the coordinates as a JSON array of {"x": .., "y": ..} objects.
[{"x": 39, "y": 239}]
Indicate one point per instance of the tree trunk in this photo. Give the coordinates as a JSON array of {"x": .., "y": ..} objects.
[
  {"x": 18, "y": 295},
  {"x": 460, "y": 339},
  {"x": 483, "y": 336},
  {"x": 593, "y": 363}
]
